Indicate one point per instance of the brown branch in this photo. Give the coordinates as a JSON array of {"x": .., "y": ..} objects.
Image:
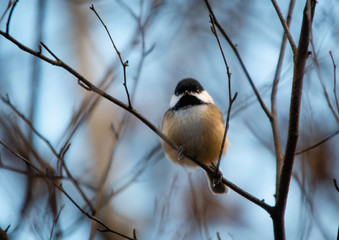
[
  {"x": 59, "y": 186},
  {"x": 293, "y": 128},
  {"x": 285, "y": 26},
  {"x": 235, "y": 50},
  {"x": 91, "y": 87},
  {"x": 316, "y": 62},
  {"x": 318, "y": 143},
  {"x": 60, "y": 156},
  {"x": 124, "y": 64},
  {"x": 274, "y": 119}
]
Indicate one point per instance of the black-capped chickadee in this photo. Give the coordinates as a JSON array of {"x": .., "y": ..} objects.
[{"x": 193, "y": 122}]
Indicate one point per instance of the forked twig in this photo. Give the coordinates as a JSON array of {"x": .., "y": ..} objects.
[
  {"x": 230, "y": 98},
  {"x": 285, "y": 26},
  {"x": 124, "y": 64},
  {"x": 274, "y": 119},
  {"x": 236, "y": 52},
  {"x": 59, "y": 186},
  {"x": 60, "y": 156}
]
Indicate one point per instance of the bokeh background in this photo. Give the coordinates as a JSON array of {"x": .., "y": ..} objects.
[{"x": 117, "y": 160}]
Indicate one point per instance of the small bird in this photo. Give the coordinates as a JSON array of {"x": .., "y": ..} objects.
[{"x": 195, "y": 124}]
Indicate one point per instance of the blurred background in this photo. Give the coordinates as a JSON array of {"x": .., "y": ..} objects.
[{"x": 112, "y": 164}]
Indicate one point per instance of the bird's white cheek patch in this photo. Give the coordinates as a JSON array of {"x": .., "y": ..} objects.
[
  {"x": 203, "y": 96},
  {"x": 174, "y": 100}
]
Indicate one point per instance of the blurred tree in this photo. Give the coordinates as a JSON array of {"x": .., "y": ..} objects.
[{"x": 75, "y": 166}]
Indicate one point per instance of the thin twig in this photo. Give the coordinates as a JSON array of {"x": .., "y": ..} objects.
[
  {"x": 335, "y": 82},
  {"x": 49, "y": 51},
  {"x": 123, "y": 63},
  {"x": 235, "y": 50},
  {"x": 59, "y": 186},
  {"x": 10, "y": 16},
  {"x": 285, "y": 26},
  {"x": 316, "y": 62},
  {"x": 318, "y": 143},
  {"x": 60, "y": 156},
  {"x": 230, "y": 98}
]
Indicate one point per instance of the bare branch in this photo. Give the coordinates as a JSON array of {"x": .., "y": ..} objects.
[
  {"x": 235, "y": 50},
  {"x": 285, "y": 26},
  {"x": 60, "y": 156},
  {"x": 274, "y": 119},
  {"x": 59, "y": 186},
  {"x": 49, "y": 51},
  {"x": 318, "y": 143},
  {"x": 293, "y": 128},
  {"x": 124, "y": 64}
]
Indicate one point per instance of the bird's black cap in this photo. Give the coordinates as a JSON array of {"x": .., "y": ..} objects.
[{"x": 189, "y": 85}]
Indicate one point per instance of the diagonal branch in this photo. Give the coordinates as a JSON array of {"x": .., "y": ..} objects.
[
  {"x": 124, "y": 64},
  {"x": 60, "y": 157},
  {"x": 91, "y": 87},
  {"x": 318, "y": 143},
  {"x": 235, "y": 50},
  {"x": 59, "y": 186},
  {"x": 285, "y": 26}
]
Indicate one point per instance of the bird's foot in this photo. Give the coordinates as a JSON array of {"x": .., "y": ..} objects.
[
  {"x": 180, "y": 152},
  {"x": 217, "y": 175}
]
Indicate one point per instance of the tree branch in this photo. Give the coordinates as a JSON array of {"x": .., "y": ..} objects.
[
  {"x": 285, "y": 26},
  {"x": 59, "y": 186},
  {"x": 318, "y": 143},
  {"x": 230, "y": 98},
  {"x": 124, "y": 64},
  {"x": 274, "y": 119},
  {"x": 60, "y": 157},
  {"x": 235, "y": 50},
  {"x": 293, "y": 129}
]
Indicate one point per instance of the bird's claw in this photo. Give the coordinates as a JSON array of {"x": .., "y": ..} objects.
[
  {"x": 217, "y": 175},
  {"x": 180, "y": 153}
]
